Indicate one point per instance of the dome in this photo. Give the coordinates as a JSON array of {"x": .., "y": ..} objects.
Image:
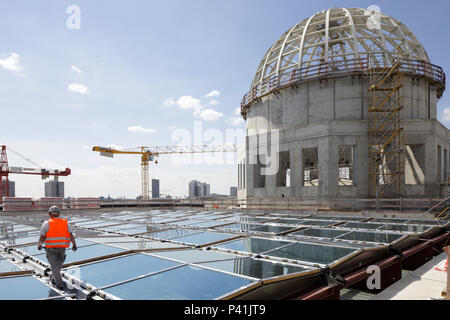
[{"x": 338, "y": 36}]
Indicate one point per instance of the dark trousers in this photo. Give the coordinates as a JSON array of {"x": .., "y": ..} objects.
[{"x": 56, "y": 258}]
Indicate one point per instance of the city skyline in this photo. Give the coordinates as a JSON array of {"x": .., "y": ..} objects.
[{"x": 137, "y": 82}]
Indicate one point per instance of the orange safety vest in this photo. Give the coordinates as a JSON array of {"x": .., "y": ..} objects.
[{"x": 58, "y": 235}]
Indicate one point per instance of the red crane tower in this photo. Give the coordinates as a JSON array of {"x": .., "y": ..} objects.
[{"x": 5, "y": 170}]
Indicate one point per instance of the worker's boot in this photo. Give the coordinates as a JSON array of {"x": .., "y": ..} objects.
[{"x": 52, "y": 280}]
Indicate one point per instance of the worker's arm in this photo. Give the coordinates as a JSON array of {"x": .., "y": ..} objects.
[
  {"x": 41, "y": 241},
  {"x": 74, "y": 244}
]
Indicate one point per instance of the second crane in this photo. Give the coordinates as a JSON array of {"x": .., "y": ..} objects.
[{"x": 148, "y": 154}]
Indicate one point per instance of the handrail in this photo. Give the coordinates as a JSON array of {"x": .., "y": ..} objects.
[
  {"x": 432, "y": 208},
  {"x": 440, "y": 214},
  {"x": 325, "y": 70}
]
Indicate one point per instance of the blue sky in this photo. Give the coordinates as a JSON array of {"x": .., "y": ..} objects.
[{"x": 130, "y": 57}]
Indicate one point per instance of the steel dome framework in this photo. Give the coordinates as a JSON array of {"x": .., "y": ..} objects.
[{"x": 335, "y": 36}]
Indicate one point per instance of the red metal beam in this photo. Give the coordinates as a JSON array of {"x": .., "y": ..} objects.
[
  {"x": 438, "y": 243},
  {"x": 391, "y": 271},
  {"x": 417, "y": 255},
  {"x": 322, "y": 293}
]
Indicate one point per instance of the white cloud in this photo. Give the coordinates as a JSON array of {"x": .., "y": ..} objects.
[
  {"x": 49, "y": 164},
  {"x": 237, "y": 111},
  {"x": 213, "y": 94},
  {"x": 139, "y": 129},
  {"x": 172, "y": 128},
  {"x": 210, "y": 115},
  {"x": 236, "y": 121},
  {"x": 113, "y": 146},
  {"x": 188, "y": 102},
  {"x": 169, "y": 102},
  {"x": 76, "y": 69},
  {"x": 11, "y": 62},
  {"x": 446, "y": 114},
  {"x": 78, "y": 88}
]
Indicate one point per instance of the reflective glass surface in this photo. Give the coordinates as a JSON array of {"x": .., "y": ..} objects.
[
  {"x": 204, "y": 237},
  {"x": 406, "y": 228},
  {"x": 17, "y": 228},
  {"x": 141, "y": 245},
  {"x": 172, "y": 233},
  {"x": 6, "y": 266},
  {"x": 254, "y": 268},
  {"x": 318, "y": 222},
  {"x": 212, "y": 216},
  {"x": 185, "y": 222},
  {"x": 197, "y": 284},
  {"x": 75, "y": 220},
  {"x": 425, "y": 222},
  {"x": 165, "y": 220},
  {"x": 18, "y": 235},
  {"x": 230, "y": 219},
  {"x": 84, "y": 253},
  {"x": 140, "y": 229},
  {"x": 191, "y": 256},
  {"x": 24, "y": 288},
  {"x": 122, "y": 227},
  {"x": 241, "y": 226},
  {"x": 209, "y": 224},
  {"x": 244, "y": 219},
  {"x": 371, "y": 236},
  {"x": 272, "y": 229},
  {"x": 33, "y": 250},
  {"x": 361, "y": 225},
  {"x": 388, "y": 220},
  {"x": 311, "y": 252},
  {"x": 119, "y": 269},
  {"x": 288, "y": 221},
  {"x": 101, "y": 224},
  {"x": 320, "y": 233},
  {"x": 252, "y": 245},
  {"x": 19, "y": 241},
  {"x": 89, "y": 223}
]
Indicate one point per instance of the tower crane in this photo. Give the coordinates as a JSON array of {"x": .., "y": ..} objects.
[
  {"x": 148, "y": 154},
  {"x": 5, "y": 170}
]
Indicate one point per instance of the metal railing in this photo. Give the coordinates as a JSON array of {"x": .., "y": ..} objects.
[
  {"x": 395, "y": 205},
  {"x": 326, "y": 70}
]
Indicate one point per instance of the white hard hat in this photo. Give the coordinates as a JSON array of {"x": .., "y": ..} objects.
[{"x": 54, "y": 209}]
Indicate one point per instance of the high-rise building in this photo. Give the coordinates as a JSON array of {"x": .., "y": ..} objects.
[
  {"x": 155, "y": 188},
  {"x": 194, "y": 189},
  {"x": 12, "y": 188},
  {"x": 54, "y": 189},
  {"x": 198, "y": 189},
  {"x": 233, "y": 191}
]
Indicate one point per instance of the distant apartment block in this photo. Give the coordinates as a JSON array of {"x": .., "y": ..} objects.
[
  {"x": 199, "y": 189},
  {"x": 54, "y": 189},
  {"x": 155, "y": 188}
]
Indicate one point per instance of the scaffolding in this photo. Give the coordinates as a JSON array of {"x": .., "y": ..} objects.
[{"x": 386, "y": 145}]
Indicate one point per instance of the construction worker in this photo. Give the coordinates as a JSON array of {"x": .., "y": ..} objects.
[{"x": 57, "y": 235}]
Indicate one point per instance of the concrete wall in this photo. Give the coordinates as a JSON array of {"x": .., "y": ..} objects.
[{"x": 331, "y": 113}]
